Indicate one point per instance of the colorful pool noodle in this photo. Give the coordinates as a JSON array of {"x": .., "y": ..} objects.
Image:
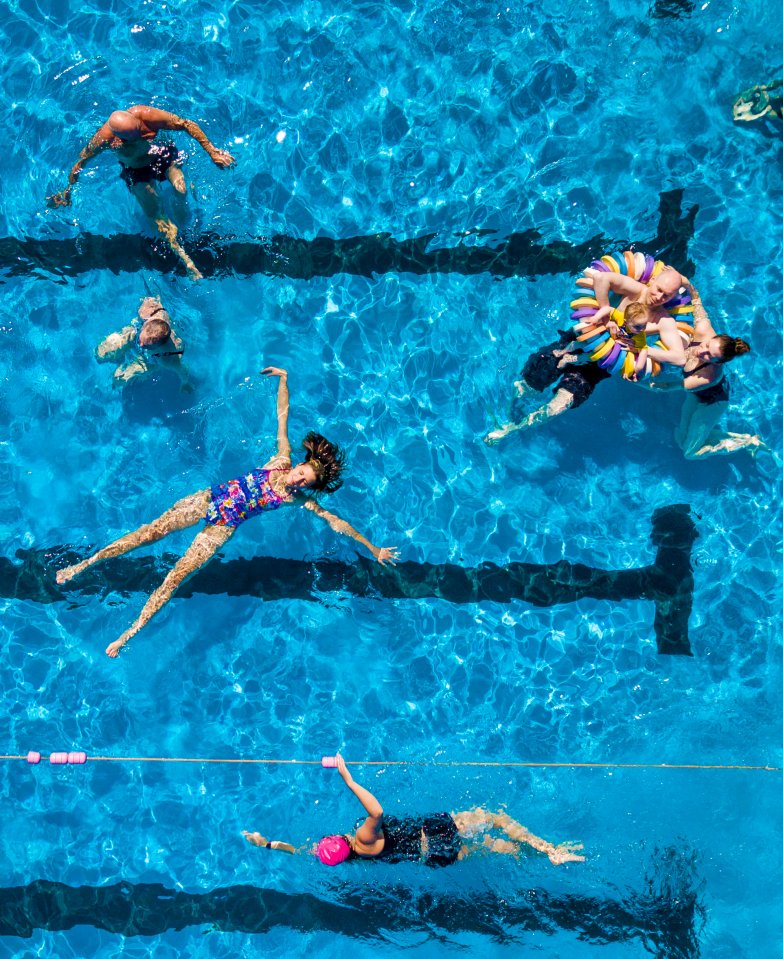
[{"x": 606, "y": 351}]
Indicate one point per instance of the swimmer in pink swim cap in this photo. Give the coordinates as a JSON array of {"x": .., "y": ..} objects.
[{"x": 436, "y": 839}]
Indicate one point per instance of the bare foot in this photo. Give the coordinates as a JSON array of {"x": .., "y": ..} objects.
[
  {"x": 566, "y": 359},
  {"x": 113, "y": 649},
  {"x": 497, "y": 435},
  {"x": 521, "y": 387}
]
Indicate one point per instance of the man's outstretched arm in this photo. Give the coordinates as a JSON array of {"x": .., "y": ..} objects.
[
  {"x": 163, "y": 120},
  {"x": 99, "y": 141}
]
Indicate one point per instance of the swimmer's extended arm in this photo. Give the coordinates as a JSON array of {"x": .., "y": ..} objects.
[
  {"x": 368, "y": 831},
  {"x": 99, "y": 142},
  {"x": 385, "y": 554},
  {"x": 256, "y": 839},
  {"x": 616, "y": 282},
  {"x": 163, "y": 120},
  {"x": 114, "y": 344},
  {"x": 283, "y": 443}
]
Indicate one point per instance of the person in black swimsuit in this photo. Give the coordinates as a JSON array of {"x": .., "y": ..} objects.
[
  {"x": 558, "y": 367},
  {"x": 756, "y": 102},
  {"x": 707, "y": 387},
  {"x": 436, "y": 839}
]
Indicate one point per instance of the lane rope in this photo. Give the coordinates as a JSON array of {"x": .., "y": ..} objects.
[{"x": 80, "y": 758}]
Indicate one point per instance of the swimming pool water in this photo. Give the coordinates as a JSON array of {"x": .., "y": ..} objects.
[{"x": 443, "y": 129}]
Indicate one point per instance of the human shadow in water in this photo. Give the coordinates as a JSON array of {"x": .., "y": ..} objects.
[
  {"x": 667, "y": 582},
  {"x": 519, "y": 254},
  {"x": 665, "y": 924}
]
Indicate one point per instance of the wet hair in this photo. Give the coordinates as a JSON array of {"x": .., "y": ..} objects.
[
  {"x": 327, "y": 460},
  {"x": 635, "y": 312},
  {"x": 731, "y": 347},
  {"x": 156, "y": 332}
]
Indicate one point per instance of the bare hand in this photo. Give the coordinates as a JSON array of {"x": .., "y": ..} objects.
[
  {"x": 565, "y": 852},
  {"x": 255, "y": 839},
  {"x": 222, "y": 158},
  {"x": 388, "y": 554},
  {"x": 613, "y": 328},
  {"x": 342, "y": 769},
  {"x": 63, "y": 198},
  {"x": 274, "y": 371}
]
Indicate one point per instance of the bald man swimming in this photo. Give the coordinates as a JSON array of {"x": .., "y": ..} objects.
[{"x": 131, "y": 134}]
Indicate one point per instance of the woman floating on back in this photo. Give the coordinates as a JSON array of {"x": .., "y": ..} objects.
[{"x": 225, "y": 507}]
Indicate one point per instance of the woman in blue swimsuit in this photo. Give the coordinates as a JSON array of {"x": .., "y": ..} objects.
[
  {"x": 227, "y": 506},
  {"x": 436, "y": 839}
]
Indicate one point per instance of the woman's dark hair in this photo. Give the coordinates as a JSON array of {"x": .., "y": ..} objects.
[
  {"x": 731, "y": 346},
  {"x": 327, "y": 460}
]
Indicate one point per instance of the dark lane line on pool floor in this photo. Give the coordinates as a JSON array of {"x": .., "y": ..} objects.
[
  {"x": 667, "y": 582},
  {"x": 519, "y": 254},
  {"x": 665, "y": 922}
]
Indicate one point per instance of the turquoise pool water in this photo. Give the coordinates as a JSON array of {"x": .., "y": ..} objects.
[{"x": 436, "y": 133}]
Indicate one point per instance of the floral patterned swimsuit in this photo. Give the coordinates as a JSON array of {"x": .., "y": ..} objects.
[{"x": 242, "y": 498}]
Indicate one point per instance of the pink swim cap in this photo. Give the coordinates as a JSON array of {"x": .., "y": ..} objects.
[{"x": 332, "y": 850}]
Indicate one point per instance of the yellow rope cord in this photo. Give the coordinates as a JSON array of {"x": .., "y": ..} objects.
[{"x": 403, "y": 762}]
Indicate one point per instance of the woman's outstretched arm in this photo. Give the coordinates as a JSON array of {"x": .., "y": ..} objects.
[
  {"x": 371, "y": 829},
  {"x": 384, "y": 554},
  {"x": 256, "y": 839},
  {"x": 283, "y": 443},
  {"x": 371, "y": 805}
]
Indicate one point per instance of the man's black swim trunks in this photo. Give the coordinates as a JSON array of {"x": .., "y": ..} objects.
[
  {"x": 541, "y": 372},
  {"x": 161, "y": 156}
]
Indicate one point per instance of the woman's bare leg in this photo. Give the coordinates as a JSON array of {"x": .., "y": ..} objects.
[
  {"x": 483, "y": 820},
  {"x": 186, "y": 512},
  {"x": 698, "y": 436},
  {"x": 200, "y": 551},
  {"x": 560, "y": 403},
  {"x": 719, "y": 442}
]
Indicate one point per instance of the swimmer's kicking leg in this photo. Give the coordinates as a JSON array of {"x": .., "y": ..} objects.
[
  {"x": 698, "y": 435},
  {"x": 562, "y": 401},
  {"x": 179, "y": 203},
  {"x": 200, "y": 552},
  {"x": 149, "y": 201},
  {"x": 186, "y": 512},
  {"x": 483, "y": 820}
]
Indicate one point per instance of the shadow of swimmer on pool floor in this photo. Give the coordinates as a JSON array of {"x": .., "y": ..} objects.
[
  {"x": 667, "y": 582},
  {"x": 665, "y": 918}
]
